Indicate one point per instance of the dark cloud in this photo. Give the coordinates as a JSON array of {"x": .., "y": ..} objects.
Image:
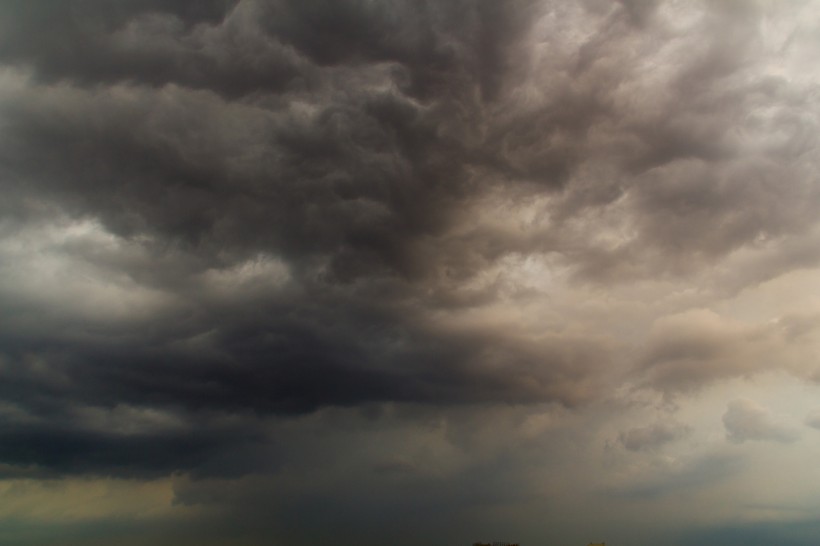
[
  {"x": 92, "y": 42},
  {"x": 56, "y": 448},
  {"x": 344, "y": 182},
  {"x": 223, "y": 221}
]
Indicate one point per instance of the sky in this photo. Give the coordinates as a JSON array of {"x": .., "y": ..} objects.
[{"x": 314, "y": 272}]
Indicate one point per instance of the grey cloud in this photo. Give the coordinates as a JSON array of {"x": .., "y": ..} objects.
[
  {"x": 345, "y": 181},
  {"x": 706, "y": 470},
  {"x": 282, "y": 359},
  {"x": 799, "y": 325},
  {"x": 686, "y": 351},
  {"x": 57, "y": 450},
  {"x": 288, "y": 183},
  {"x": 652, "y": 436},
  {"x": 360, "y": 179},
  {"x": 238, "y": 48},
  {"x": 146, "y": 41},
  {"x": 813, "y": 420},
  {"x": 690, "y": 349},
  {"x": 745, "y": 420},
  {"x": 640, "y": 11},
  {"x": 706, "y": 176},
  {"x": 687, "y": 201}
]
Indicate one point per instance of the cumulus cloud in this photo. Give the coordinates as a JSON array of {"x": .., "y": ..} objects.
[{"x": 746, "y": 420}]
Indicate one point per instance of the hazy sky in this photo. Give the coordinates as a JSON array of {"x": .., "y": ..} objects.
[{"x": 314, "y": 272}]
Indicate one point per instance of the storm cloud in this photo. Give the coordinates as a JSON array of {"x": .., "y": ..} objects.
[{"x": 229, "y": 227}]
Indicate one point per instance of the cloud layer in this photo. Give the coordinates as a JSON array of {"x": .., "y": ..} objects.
[{"x": 230, "y": 226}]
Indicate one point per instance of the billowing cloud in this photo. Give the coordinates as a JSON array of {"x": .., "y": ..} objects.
[{"x": 512, "y": 232}]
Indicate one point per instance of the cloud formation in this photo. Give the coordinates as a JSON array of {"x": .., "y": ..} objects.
[
  {"x": 745, "y": 420},
  {"x": 230, "y": 226},
  {"x": 652, "y": 436}
]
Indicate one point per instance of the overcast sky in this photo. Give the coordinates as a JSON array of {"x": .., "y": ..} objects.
[{"x": 313, "y": 272}]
